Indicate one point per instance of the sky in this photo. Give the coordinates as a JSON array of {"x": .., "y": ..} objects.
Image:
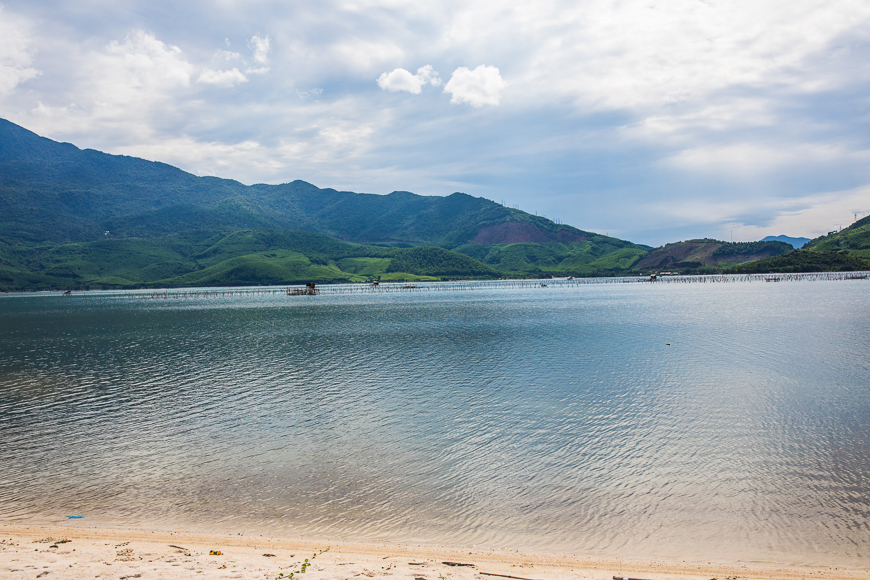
[{"x": 652, "y": 122}]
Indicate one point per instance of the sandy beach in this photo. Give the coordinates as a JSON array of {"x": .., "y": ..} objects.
[{"x": 83, "y": 552}]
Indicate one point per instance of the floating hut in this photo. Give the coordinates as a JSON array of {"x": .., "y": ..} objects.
[{"x": 309, "y": 290}]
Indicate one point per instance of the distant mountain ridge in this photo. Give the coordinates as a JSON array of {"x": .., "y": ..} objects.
[
  {"x": 693, "y": 254},
  {"x": 82, "y": 218},
  {"x": 844, "y": 250},
  {"x": 796, "y": 243},
  {"x": 73, "y": 218},
  {"x": 57, "y": 192}
]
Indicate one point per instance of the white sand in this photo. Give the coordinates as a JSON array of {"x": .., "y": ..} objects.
[{"x": 40, "y": 552}]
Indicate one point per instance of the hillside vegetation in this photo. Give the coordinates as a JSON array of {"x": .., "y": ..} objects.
[
  {"x": 238, "y": 259},
  {"x": 707, "y": 253},
  {"x": 597, "y": 255},
  {"x": 805, "y": 261},
  {"x": 76, "y": 218},
  {"x": 844, "y": 251},
  {"x": 56, "y": 192},
  {"x": 854, "y": 240},
  {"x": 72, "y": 218}
]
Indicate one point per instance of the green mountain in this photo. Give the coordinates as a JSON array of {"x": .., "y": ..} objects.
[
  {"x": 854, "y": 240},
  {"x": 795, "y": 243},
  {"x": 597, "y": 255},
  {"x": 237, "y": 259},
  {"x": 73, "y": 218},
  {"x": 845, "y": 250},
  {"x": 56, "y": 192},
  {"x": 82, "y": 218},
  {"x": 707, "y": 253}
]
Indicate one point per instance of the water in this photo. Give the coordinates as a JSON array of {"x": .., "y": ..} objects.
[{"x": 698, "y": 421}]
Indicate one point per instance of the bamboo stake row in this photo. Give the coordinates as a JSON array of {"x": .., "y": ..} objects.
[{"x": 466, "y": 285}]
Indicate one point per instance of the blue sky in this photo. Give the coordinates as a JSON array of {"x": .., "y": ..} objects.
[{"x": 650, "y": 122}]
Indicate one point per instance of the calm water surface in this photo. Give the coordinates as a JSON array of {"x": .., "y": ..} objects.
[{"x": 714, "y": 421}]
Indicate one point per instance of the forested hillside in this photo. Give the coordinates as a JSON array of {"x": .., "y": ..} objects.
[
  {"x": 844, "y": 250},
  {"x": 56, "y": 192},
  {"x": 72, "y": 217}
]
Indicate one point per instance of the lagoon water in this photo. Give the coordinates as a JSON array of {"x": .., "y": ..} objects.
[{"x": 687, "y": 421}]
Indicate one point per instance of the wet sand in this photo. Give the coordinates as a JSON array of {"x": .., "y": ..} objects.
[{"x": 78, "y": 552}]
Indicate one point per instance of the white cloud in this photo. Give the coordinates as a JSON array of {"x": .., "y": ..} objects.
[
  {"x": 402, "y": 80},
  {"x": 633, "y": 54},
  {"x": 315, "y": 92},
  {"x": 125, "y": 90},
  {"x": 478, "y": 87},
  {"x": 430, "y": 75},
  {"x": 750, "y": 159},
  {"x": 657, "y": 102},
  {"x": 203, "y": 157},
  {"x": 15, "y": 53},
  {"x": 222, "y": 78},
  {"x": 358, "y": 55},
  {"x": 227, "y": 55},
  {"x": 808, "y": 216},
  {"x": 142, "y": 64},
  {"x": 261, "y": 47}
]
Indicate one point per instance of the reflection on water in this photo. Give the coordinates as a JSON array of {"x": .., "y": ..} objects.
[{"x": 700, "y": 421}]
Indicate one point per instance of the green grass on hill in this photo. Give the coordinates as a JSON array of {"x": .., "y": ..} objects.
[
  {"x": 804, "y": 261},
  {"x": 438, "y": 262},
  {"x": 238, "y": 258},
  {"x": 597, "y": 256},
  {"x": 855, "y": 238},
  {"x": 267, "y": 268},
  {"x": 843, "y": 251}
]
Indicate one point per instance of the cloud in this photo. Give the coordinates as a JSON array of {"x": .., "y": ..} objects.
[
  {"x": 227, "y": 55},
  {"x": 360, "y": 56},
  {"x": 478, "y": 87},
  {"x": 126, "y": 89},
  {"x": 809, "y": 216},
  {"x": 755, "y": 159},
  {"x": 200, "y": 156},
  {"x": 15, "y": 53},
  {"x": 261, "y": 47},
  {"x": 402, "y": 80},
  {"x": 142, "y": 64},
  {"x": 315, "y": 92},
  {"x": 222, "y": 78},
  {"x": 614, "y": 104}
]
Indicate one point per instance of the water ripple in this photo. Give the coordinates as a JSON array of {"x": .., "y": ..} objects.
[{"x": 711, "y": 421}]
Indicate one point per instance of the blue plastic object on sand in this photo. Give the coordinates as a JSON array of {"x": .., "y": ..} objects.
[{"x": 75, "y": 517}]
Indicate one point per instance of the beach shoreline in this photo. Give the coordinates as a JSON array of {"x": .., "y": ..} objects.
[{"x": 64, "y": 551}]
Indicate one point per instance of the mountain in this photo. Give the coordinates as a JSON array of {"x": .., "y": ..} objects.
[
  {"x": 805, "y": 261},
  {"x": 694, "y": 254},
  {"x": 236, "y": 259},
  {"x": 796, "y": 243},
  {"x": 73, "y": 218},
  {"x": 854, "y": 240},
  {"x": 56, "y": 192},
  {"x": 845, "y": 250},
  {"x": 77, "y": 218}
]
